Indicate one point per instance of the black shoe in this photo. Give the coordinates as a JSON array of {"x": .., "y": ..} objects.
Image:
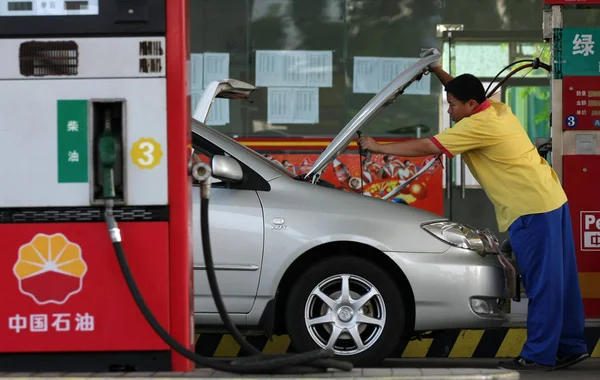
[
  {"x": 570, "y": 360},
  {"x": 522, "y": 364}
]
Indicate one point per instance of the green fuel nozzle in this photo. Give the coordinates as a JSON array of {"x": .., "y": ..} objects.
[{"x": 108, "y": 157}]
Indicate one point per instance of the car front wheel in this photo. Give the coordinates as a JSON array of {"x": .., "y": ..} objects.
[{"x": 348, "y": 305}]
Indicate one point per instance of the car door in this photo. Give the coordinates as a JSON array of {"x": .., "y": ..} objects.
[{"x": 236, "y": 230}]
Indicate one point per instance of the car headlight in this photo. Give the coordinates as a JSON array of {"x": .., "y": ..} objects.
[{"x": 460, "y": 235}]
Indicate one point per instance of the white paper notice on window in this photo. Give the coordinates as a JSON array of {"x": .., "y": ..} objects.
[
  {"x": 219, "y": 112},
  {"x": 294, "y": 68},
  {"x": 297, "y": 105},
  {"x": 197, "y": 72},
  {"x": 208, "y": 67},
  {"x": 216, "y": 67},
  {"x": 372, "y": 74},
  {"x": 205, "y": 68}
]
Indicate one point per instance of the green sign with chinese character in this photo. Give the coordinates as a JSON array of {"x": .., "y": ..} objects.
[
  {"x": 579, "y": 55},
  {"x": 72, "y": 141}
]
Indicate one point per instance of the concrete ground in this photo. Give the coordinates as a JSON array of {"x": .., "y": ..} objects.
[
  {"x": 355, "y": 374},
  {"x": 392, "y": 369},
  {"x": 588, "y": 369}
]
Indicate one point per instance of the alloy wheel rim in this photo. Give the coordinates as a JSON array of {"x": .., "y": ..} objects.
[{"x": 345, "y": 314}]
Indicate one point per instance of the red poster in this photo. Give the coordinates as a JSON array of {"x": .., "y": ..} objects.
[
  {"x": 63, "y": 290},
  {"x": 571, "y": 2},
  {"x": 379, "y": 176},
  {"x": 581, "y": 103}
]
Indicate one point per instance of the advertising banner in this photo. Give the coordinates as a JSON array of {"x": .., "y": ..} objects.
[
  {"x": 571, "y": 2},
  {"x": 64, "y": 292},
  {"x": 375, "y": 178}
]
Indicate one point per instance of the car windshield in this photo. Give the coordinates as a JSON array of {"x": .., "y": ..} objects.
[{"x": 252, "y": 152}]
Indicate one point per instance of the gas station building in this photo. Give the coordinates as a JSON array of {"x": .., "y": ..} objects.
[
  {"x": 315, "y": 64},
  {"x": 361, "y": 45}
]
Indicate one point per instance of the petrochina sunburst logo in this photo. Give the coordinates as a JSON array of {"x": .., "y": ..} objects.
[{"x": 50, "y": 269}]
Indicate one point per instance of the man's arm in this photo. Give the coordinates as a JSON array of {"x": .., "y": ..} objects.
[
  {"x": 443, "y": 76},
  {"x": 411, "y": 148}
]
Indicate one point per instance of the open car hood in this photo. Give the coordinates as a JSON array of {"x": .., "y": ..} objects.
[
  {"x": 225, "y": 89},
  {"x": 385, "y": 97}
]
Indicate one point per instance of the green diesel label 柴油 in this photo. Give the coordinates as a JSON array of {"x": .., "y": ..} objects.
[{"x": 72, "y": 141}]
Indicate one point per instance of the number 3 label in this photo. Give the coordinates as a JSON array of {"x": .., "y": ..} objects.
[
  {"x": 146, "y": 153},
  {"x": 571, "y": 121}
]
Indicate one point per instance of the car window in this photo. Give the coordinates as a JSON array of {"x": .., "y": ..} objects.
[
  {"x": 273, "y": 163},
  {"x": 205, "y": 151}
]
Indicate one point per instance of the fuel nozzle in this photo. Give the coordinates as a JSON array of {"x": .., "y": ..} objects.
[
  {"x": 363, "y": 152},
  {"x": 368, "y": 156},
  {"x": 201, "y": 173},
  {"x": 108, "y": 157}
]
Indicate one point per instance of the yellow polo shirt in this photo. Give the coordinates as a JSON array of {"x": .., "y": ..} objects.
[{"x": 503, "y": 160}]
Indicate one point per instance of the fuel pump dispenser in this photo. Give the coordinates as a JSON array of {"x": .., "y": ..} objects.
[
  {"x": 575, "y": 101},
  {"x": 95, "y": 140},
  {"x": 93, "y": 106}
]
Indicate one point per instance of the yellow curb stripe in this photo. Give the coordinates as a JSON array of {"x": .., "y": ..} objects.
[
  {"x": 278, "y": 345},
  {"x": 512, "y": 344},
  {"x": 596, "y": 352},
  {"x": 466, "y": 343},
  {"x": 417, "y": 349},
  {"x": 590, "y": 284},
  {"x": 502, "y": 343},
  {"x": 227, "y": 347}
]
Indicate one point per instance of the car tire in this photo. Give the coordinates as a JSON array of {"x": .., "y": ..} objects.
[{"x": 385, "y": 306}]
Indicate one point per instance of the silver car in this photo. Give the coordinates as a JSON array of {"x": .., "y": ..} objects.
[{"x": 333, "y": 269}]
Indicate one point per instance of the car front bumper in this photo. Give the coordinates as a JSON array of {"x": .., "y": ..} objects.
[{"x": 459, "y": 289}]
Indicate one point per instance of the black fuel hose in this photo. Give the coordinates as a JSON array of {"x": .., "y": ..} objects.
[
  {"x": 214, "y": 288},
  {"x": 513, "y": 72},
  {"x": 533, "y": 63},
  {"x": 309, "y": 362},
  {"x": 504, "y": 69}
]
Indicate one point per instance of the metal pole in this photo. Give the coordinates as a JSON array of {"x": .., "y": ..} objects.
[
  {"x": 448, "y": 160},
  {"x": 556, "y": 132}
]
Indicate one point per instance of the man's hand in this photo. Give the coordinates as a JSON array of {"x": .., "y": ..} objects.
[
  {"x": 368, "y": 143},
  {"x": 429, "y": 52},
  {"x": 436, "y": 67}
]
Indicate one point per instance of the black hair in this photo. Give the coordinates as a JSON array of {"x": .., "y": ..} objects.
[{"x": 466, "y": 87}]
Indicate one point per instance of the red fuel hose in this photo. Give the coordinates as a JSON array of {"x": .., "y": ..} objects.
[
  {"x": 507, "y": 77},
  {"x": 535, "y": 64}
]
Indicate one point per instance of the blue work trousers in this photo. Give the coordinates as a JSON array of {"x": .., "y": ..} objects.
[{"x": 545, "y": 251}]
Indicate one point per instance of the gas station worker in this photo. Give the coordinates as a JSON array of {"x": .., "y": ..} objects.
[{"x": 530, "y": 204}]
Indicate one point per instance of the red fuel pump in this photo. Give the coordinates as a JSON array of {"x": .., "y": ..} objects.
[
  {"x": 576, "y": 135},
  {"x": 83, "y": 84},
  {"x": 96, "y": 265}
]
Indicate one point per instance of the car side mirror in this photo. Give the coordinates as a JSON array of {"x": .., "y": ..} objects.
[{"x": 227, "y": 169}]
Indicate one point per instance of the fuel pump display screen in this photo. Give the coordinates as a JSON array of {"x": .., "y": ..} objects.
[
  {"x": 78, "y": 18},
  {"x": 10, "y": 8},
  {"x": 581, "y": 103}
]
